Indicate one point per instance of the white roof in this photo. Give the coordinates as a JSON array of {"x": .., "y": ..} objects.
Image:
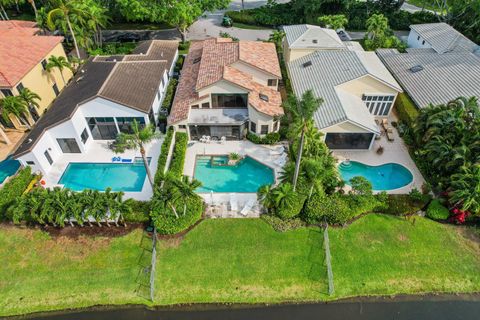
[
  {"x": 303, "y": 36},
  {"x": 443, "y": 38}
]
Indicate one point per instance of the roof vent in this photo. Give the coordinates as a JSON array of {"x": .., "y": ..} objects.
[
  {"x": 262, "y": 96},
  {"x": 416, "y": 68},
  {"x": 29, "y": 140},
  {"x": 79, "y": 79},
  {"x": 315, "y": 41},
  {"x": 197, "y": 60},
  {"x": 307, "y": 64}
]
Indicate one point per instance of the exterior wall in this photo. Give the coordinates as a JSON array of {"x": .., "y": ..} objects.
[
  {"x": 221, "y": 87},
  {"x": 294, "y": 54},
  {"x": 344, "y": 127},
  {"x": 415, "y": 42},
  {"x": 160, "y": 95},
  {"x": 260, "y": 119},
  {"x": 257, "y": 74}
]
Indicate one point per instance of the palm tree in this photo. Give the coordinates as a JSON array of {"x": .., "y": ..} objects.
[
  {"x": 466, "y": 188},
  {"x": 284, "y": 196},
  {"x": 277, "y": 37},
  {"x": 66, "y": 10},
  {"x": 377, "y": 26},
  {"x": 302, "y": 112},
  {"x": 14, "y": 106},
  {"x": 31, "y": 100},
  {"x": 34, "y": 7},
  {"x": 186, "y": 189},
  {"x": 59, "y": 63},
  {"x": 137, "y": 140},
  {"x": 97, "y": 20},
  {"x": 265, "y": 196}
]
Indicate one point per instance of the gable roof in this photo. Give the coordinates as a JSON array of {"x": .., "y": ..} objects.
[
  {"x": 303, "y": 36},
  {"x": 328, "y": 70},
  {"x": 443, "y": 77},
  {"x": 443, "y": 38},
  {"x": 21, "y": 50}
]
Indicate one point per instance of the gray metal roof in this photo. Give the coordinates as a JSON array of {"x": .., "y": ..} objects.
[
  {"x": 443, "y": 38},
  {"x": 293, "y": 32},
  {"x": 329, "y": 69},
  {"x": 444, "y": 76},
  {"x": 310, "y": 36}
]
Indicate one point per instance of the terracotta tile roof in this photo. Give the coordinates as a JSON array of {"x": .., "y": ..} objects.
[
  {"x": 154, "y": 50},
  {"x": 21, "y": 50},
  {"x": 210, "y": 61}
]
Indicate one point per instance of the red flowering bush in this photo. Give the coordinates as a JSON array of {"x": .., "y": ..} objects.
[{"x": 458, "y": 216}]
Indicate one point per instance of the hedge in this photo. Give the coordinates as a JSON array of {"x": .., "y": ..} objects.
[
  {"x": 437, "y": 211},
  {"x": 270, "y": 138},
  {"x": 403, "y": 205},
  {"x": 13, "y": 189},
  {"x": 406, "y": 109},
  {"x": 162, "y": 159},
  {"x": 140, "y": 211},
  {"x": 169, "y": 94},
  {"x": 178, "y": 158}
]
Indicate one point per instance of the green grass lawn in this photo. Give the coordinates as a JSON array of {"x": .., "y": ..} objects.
[
  {"x": 427, "y": 4},
  {"x": 249, "y": 26},
  {"x": 237, "y": 260}
]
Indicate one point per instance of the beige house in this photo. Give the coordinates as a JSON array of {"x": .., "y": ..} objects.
[
  {"x": 227, "y": 88},
  {"x": 23, "y": 58},
  {"x": 356, "y": 88}
]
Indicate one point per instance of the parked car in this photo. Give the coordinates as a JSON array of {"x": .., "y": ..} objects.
[{"x": 128, "y": 37}]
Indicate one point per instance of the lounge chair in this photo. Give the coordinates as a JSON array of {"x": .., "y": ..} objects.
[
  {"x": 281, "y": 161},
  {"x": 223, "y": 139},
  {"x": 233, "y": 202},
  {"x": 278, "y": 151},
  {"x": 248, "y": 207},
  {"x": 389, "y": 133}
]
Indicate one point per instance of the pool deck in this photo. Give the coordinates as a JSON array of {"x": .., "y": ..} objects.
[
  {"x": 393, "y": 152},
  {"x": 99, "y": 152}
]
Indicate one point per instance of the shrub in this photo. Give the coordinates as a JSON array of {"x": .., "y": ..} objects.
[
  {"x": 332, "y": 209},
  {"x": 281, "y": 225},
  {"x": 169, "y": 94},
  {"x": 437, "y": 211},
  {"x": 139, "y": 211},
  {"x": 183, "y": 47},
  {"x": 289, "y": 212},
  {"x": 167, "y": 223},
  {"x": 270, "y": 138},
  {"x": 402, "y": 205},
  {"x": 179, "y": 63},
  {"x": 406, "y": 109},
  {"x": 13, "y": 189},
  {"x": 162, "y": 159},
  {"x": 113, "y": 48},
  {"x": 178, "y": 158}
]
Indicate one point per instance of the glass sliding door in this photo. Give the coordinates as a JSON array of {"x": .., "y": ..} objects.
[
  {"x": 125, "y": 123},
  {"x": 348, "y": 140},
  {"x": 229, "y": 101},
  {"x": 102, "y": 128},
  {"x": 216, "y": 132},
  {"x": 68, "y": 145}
]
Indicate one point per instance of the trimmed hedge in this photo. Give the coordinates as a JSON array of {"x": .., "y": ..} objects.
[
  {"x": 162, "y": 159},
  {"x": 178, "y": 158},
  {"x": 13, "y": 189},
  {"x": 170, "y": 94},
  {"x": 437, "y": 211},
  {"x": 403, "y": 204},
  {"x": 281, "y": 225},
  {"x": 406, "y": 109},
  {"x": 140, "y": 211},
  {"x": 270, "y": 138},
  {"x": 167, "y": 223}
]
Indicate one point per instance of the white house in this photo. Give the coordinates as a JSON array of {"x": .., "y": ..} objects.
[
  {"x": 103, "y": 99},
  {"x": 227, "y": 88}
]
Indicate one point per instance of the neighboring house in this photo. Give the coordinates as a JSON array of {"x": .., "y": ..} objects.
[
  {"x": 227, "y": 88},
  {"x": 440, "y": 65},
  {"x": 23, "y": 58},
  {"x": 104, "y": 98},
  {"x": 356, "y": 88}
]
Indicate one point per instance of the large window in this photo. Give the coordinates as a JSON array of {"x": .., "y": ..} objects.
[
  {"x": 55, "y": 89},
  {"x": 264, "y": 129},
  {"x": 125, "y": 123},
  {"x": 6, "y": 92},
  {"x": 378, "y": 105},
  {"x": 229, "y": 100},
  {"x": 84, "y": 135},
  {"x": 253, "y": 127},
  {"x": 49, "y": 158},
  {"x": 68, "y": 145},
  {"x": 102, "y": 128},
  {"x": 216, "y": 132},
  {"x": 348, "y": 140}
]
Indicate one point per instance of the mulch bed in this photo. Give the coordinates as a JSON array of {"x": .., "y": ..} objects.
[{"x": 94, "y": 231}]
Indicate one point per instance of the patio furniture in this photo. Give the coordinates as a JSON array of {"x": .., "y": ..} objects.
[
  {"x": 248, "y": 207},
  {"x": 223, "y": 139},
  {"x": 281, "y": 161},
  {"x": 278, "y": 151},
  {"x": 233, "y": 202},
  {"x": 389, "y": 133},
  {"x": 207, "y": 139}
]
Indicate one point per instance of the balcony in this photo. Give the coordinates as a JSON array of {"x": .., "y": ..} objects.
[{"x": 218, "y": 116}]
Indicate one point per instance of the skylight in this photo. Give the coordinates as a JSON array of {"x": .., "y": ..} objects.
[
  {"x": 307, "y": 64},
  {"x": 197, "y": 60},
  {"x": 416, "y": 68},
  {"x": 315, "y": 41},
  {"x": 263, "y": 97}
]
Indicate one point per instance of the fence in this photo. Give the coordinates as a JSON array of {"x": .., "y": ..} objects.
[
  {"x": 328, "y": 261},
  {"x": 153, "y": 264}
]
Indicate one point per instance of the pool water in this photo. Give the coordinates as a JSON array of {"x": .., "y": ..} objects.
[
  {"x": 387, "y": 176},
  {"x": 99, "y": 176},
  {"x": 8, "y": 167},
  {"x": 247, "y": 176}
]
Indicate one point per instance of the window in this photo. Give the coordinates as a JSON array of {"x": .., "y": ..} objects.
[
  {"x": 206, "y": 105},
  {"x": 229, "y": 100},
  {"x": 423, "y": 42},
  {"x": 253, "y": 127},
  {"x": 44, "y": 64},
  {"x": 182, "y": 126},
  {"x": 49, "y": 158},
  {"x": 315, "y": 41},
  {"x": 55, "y": 89},
  {"x": 418, "y": 38},
  {"x": 348, "y": 140},
  {"x": 272, "y": 82},
  {"x": 30, "y": 163},
  {"x": 6, "y": 92},
  {"x": 102, "y": 128},
  {"x": 20, "y": 87},
  {"x": 378, "y": 105},
  {"x": 195, "y": 106},
  {"x": 68, "y": 145},
  {"x": 276, "y": 125},
  {"x": 196, "y": 60},
  {"x": 125, "y": 123},
  {"x": 263, "y": 97},
  {"x": 84, "y": 135},
  {"x": 264, "y": 129}
]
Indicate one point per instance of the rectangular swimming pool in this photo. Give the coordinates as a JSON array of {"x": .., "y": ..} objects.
[
  {"x": 247, "y": 176},
  {"x": 128, "y": 177}
]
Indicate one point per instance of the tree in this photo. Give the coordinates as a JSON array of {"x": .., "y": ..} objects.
[
  {"x": 277, "y": 37},
  {"x": 14, "y": 106},
  {"x": 302, "y": 112},
  {"x": 186, "y": 189},
  {"x": 59, "y": 63},
  {"x": 30, "y": 98},
  {"x": 284, "y": 196},
  {"x": 335, "y": 22},
  {"x": 265, "y": 197},
  {"x": 466, "y": 188},
  {"x": 377, "y": 26},
  {"x": 137, "y": 140},
  {"x": 66, "y": 10},
  {"x": 34, "y": 7},
  {"x": 96, "y": 19},
  {"x": 311, "y": 8}
]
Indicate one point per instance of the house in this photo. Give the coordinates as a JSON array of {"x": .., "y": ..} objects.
[
  {"x": 23, "y": 58},
  {"x": 227, "y": 88},
  {"x": 106, "y": 95},
  {"x": 356, "y": 88},
  {"x": 440, "y": 65}
]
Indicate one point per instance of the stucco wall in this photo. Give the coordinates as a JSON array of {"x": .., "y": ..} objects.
[
  {"x": 257, "y": 74},
  {"x": 344, "y": 127},
  {"x": 414, "y": 42},
  {"x": 260, "y": 119}
]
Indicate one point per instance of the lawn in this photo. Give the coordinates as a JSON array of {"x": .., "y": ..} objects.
[
  {"x": 427, "y": 4},
  {"x": 249, "y": 26},
  {"x": 237, "y": 260}
]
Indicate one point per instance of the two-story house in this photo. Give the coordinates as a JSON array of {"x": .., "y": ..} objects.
[
  {"x": 227, "y": 88},
  {"x": 356, "y": 88}
]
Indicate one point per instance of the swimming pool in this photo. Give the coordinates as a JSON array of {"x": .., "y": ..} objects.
[
  {"x": 99, "y": 176},
  {"x": 8, "y": 167},
  {"x": 247, "y": 176},
  {"x": 387, "y": 176}
]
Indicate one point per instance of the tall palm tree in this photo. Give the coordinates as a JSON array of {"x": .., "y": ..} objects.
[
  {"x": 14, "y": 106},
  {"x": 31, "y": 99},
  {"x": 34, "y": 7},
  {"x": 96, "y": 20},
  {"x": 59, "y": 63},
  {"x": 186, "y": 189},
  {"x": 302, "y": 112},
  {"x": 66, "y": 10},
  {"x": 137, "y": 140},
  {"x": 284, "y": 195}
]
